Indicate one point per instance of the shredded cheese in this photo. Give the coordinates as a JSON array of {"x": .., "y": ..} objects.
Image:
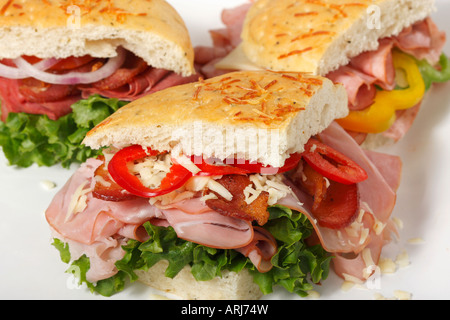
[
  {"x": 387, "y": 265},
  {"x": 415, "y": 240},
  {"x": 187, "y": 163},
  {"x": 348, "y": 277},
  {"x": 152, "y": 169},
  {"x": 347, "y": 285},
  {"x": 402, "y": 259},
  {"x": 378, "y": 226},
  {"x": 197, "y": 183},
  {"x": 102, "y": 181},
  {"x": 312, "y": 294},
  {"x": 364, "y": 235},
  {"x": 272, "y": 184},
  {"x": 368, "y": 261},
  {"x": 215, "y": 186},
  {"x": 402, "y": 295},
  {"x": 78, "y": 201},
  {"x": 48, "y": 185},
  {"x": 251, "y": 194},
  {"x": 398, "y": 222},
  {"x": 327, "y": 182},
  {"x": 209, "y": 196}
]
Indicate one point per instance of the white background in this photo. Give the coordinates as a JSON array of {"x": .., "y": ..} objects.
[{"x": 30, "y": 268}]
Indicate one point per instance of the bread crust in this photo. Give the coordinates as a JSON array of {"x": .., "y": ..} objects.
[
  {"x": 235, "y": 112},
  {"x": 318, "y": 36},
  {"x": 63, "y": 28},
  {"x": 229, "y": 286}
]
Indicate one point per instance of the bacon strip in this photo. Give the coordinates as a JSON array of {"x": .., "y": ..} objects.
[
  {"x": 377, "y": 200},
  {"x": 237, "y": 207}
]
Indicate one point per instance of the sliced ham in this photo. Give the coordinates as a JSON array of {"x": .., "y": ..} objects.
[
  {"x": 224, "y": 41},
  {"x": 378, "y": 64},
  {"x": 233, "y": 19},
  {"x": 403, "y": 122},
  {"x": 390, "y": 167},
  {"x": 360, "y": 87},
  {"x": 99, "y": 219},
  {"x": 375, "y": 191},
  {"x": 94, "y": 226},
  {"x": 423, "y": 40},
  {"x": 229, "y": 233},
  {"x": 261, "y": 249},
  {"x": 360, "y": 77},
  {"x": 366, "y": 236},
  {"x": 102, "y": 255},
  {"x": 173, "y": 79},
  {"x": 332, "y": 240}
]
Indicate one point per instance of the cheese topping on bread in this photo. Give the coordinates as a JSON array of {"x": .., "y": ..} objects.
[
  {"x": 63, "y": 28},
  {"x": 318, "y": 36},
  {"x": 259, "y": 116}
]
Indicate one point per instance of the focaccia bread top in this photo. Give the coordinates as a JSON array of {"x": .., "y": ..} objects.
[
  {"x": 153, "y": 30},
  {"x": 318, "y": 36},
  {"x": 229, "y": 115}
]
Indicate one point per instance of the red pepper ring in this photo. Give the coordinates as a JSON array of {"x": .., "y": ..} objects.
[
  {"x": 179, "y": 175},
  {"x": 118, "y": 168},
  {"x": 332, "y": 164}
]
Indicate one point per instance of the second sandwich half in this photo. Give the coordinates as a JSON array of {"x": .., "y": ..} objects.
[{"x": 244, "y": 174}]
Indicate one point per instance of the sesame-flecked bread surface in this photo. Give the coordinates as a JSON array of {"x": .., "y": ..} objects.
[
  {"x": 153, "y": 30},
  {"x": 261, "y": 116},
  {"x": 318, "y": 36}
]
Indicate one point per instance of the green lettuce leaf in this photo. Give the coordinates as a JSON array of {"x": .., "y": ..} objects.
[
  {"x": 28, "y": 138},
  {"x": 432, "y": 74},
  {"x": 293, "y": 265}
]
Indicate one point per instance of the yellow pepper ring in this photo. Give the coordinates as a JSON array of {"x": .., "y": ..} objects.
[{"x": 381, "y": 114}]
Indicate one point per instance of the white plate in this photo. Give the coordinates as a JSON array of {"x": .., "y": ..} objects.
[{"x": 30, "y": 267}]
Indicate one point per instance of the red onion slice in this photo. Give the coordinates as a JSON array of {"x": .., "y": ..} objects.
[
  {"x": 16, "y": 73},
  {"x": 73, "y": 77}
]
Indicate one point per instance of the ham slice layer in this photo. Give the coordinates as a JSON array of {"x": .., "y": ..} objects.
[
  {"x": 100, "y": 227},
  {"x": 357, "y": 248}
]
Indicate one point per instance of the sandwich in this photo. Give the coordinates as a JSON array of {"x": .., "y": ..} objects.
[
  {"x": 67, "y": 65},
  {"x": 226, "y": 188},
  {"x": 386, "y": 53}
]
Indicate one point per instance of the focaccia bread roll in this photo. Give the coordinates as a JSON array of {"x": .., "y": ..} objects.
[
  {"x": 223, "y": 116},
  {"x": 318, "y": 36},
  {"x": 153, "y": 30}
]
